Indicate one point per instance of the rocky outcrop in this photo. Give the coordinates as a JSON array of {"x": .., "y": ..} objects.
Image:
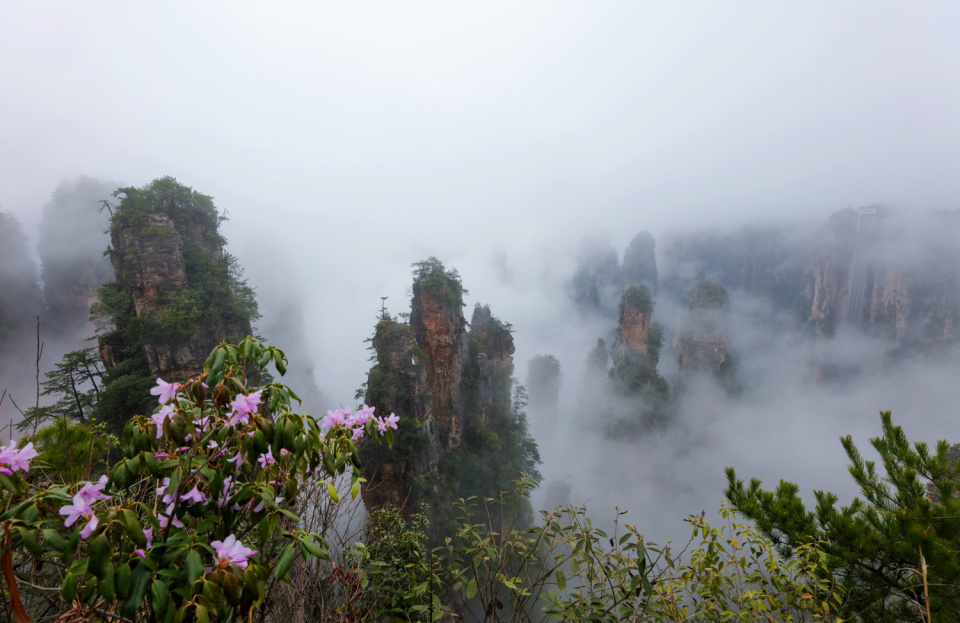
[
  {"x": 491, "y": 363},
  {"x": 894, "y": 276},
  {"x": 440, "y": 329},
  {"x": 169, "y": 262},
  {"x": 636, "y": 309},
  {"x": 450, "y": 386},
  {"x": 703, "y": 335}
]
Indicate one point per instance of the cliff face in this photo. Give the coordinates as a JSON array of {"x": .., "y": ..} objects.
[
  {"x": 703, "y": 336},
  {"x": 170, "y": 266},
  {"x": 892, "y": 276},
  {"x": 452, "y": 390},
  {"x": 398, "y": 383},
  {"x": 491, "y": 363},
  {"x": 639, "y": 397},
  {"x": 634, "y": 323},
  {"x": 440, "y": 330}
]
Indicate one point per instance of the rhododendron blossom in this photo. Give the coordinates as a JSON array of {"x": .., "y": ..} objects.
[
  {"x": 194, "y": 496},
  {"x": 230, "y": 551},
  {"x": 246, "y": 404},
  {"x": 93, "y": 492},
  {"x": 237, "y": 460},
  {"x": 164, "y": 391},
  {"x": 388, "y": 422},
  {"x": 267, "y": 459},
  {"x": 335, "y": 418},
  {"x": 160, "y": 417},
  {"x": 80, "y": 508},
  {"x": 13, "y": 459}
]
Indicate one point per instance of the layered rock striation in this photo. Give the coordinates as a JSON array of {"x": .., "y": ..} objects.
[
  {"x": 452, "y": 388},
  {"x": 176, "y": 293}
]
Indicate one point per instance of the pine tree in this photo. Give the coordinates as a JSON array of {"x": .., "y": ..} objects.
[{"x": 908, "y": 519}]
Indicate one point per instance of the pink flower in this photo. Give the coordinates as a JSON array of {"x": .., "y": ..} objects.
[
  {"x": 194, "y": 496},
  {"x": 364, "y": 414},
  {"x": 161, "y": 490},
  {"x": 13, "y": 459},
  {"x": 225, "y": 496},
  {"x": 246, "y": 404},
  {"x": 164, "y": 391},
  {"x": 230, "y": 551},
  {"x": 236, "y": 460},
  {"x": 160, "y": 417},
  {"x": 387, "y": 422},
  {"x": 80, "y": 508},
  {"x": 139, "y": 552},
  {"x": 335, "y": 418},
  {"x": 148, "y": 532},
  {"x": 90, "y": 527},
  {"x": 358, "y": 433},
  {"x": 267, "y": 459},
  {"x": 93, "y": 492},
  {"x": 237, "y": 417},
  {"x": 169, "y": 517}
]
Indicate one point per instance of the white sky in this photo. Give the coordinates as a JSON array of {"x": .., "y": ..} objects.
[{"x": 349, "y": 139}]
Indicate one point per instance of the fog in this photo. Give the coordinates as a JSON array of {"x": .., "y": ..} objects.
[{"x": 348, "y": 141}]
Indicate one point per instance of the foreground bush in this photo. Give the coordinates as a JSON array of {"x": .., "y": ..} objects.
[{"x": 196, "y": 521}]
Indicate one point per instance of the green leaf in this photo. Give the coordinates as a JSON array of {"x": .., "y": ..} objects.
[
  {"x": 218, "y": 360},
  {"x": 201, "y": 614},
  {"x": 72, "y": 543},
  {"x": 333, "y": 492},
  {"x": 194, "y": 566},
  {"x": 471, "y": 588},
  {"x": 287, "y": 513},
  {"x": 286, "y": 560},
  {"x": 313, "y": 548},
  {"x": 355, "y": 490},
  {"x": 561, "y": 581},
  {"x": 100, "y": 552},
  {"x": 30, "y": 541},
  {"x": 160, "y": 597},
  {"x": 141, "y": 577},
  {"x": 69, "y": 588},
  {"x": 123, "y": 580},
  {"x": 131, "y": 525},
  {"x": 108, "y": 589}
]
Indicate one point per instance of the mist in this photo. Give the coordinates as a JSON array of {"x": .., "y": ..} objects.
[{"x": 347, "y": 142}]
